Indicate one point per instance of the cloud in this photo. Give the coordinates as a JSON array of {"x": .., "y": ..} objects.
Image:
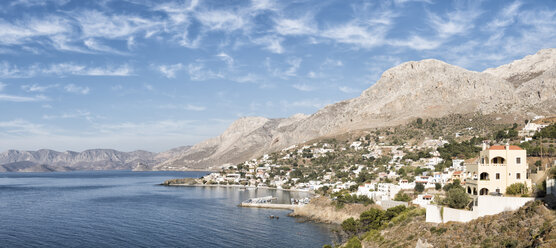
[
  {"x": 198, "y": 72},
  {"x": 307, "y": 103},
  {"x": 303, "y": 87},
  {"x": 505, "y": 17},
  {"x": 226, "y": 58},
  {"x": 189, "y": 107},
  {"x": 20, "y": 32},
  {"x": 76, "y": 69},
  {"x": 294, "y": 65},
  {"x": 79, "y": 114},
  {"x": 418, "y": 43},
  {"x": 302, "y": 26},
  {"x": 12, "y": 98},
  {"x": 270, "y": 43},
  {"x": 38, "y": 88},
  {"x": 72, "y": 88},
  {"x": 356, "y": 34},
  {"x": 219, "y": 20},
  {"x": 21, "y": 127},
  {"x": 169, "y": 71},
  {"x": 96, "y": 46},
  {"x": 332, "y": 62},
  {"x": 263, "y": 5},
  {"x": 456, "y": 22},
  {"x": 98, "y": 24},
  {"x": 348, "y": 90}
]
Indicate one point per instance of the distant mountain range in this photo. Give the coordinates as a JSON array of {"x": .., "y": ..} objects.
[
  {"x": 426, "y": 89},
  {"x": 96, "y": 159}
]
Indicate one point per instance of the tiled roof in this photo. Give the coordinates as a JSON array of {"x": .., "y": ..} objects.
[{"x": 504, "y": 148}]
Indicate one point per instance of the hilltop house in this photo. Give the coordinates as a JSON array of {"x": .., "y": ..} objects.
[{"x": 497, "y": 168}]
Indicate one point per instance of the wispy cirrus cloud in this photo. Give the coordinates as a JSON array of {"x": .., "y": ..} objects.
[
  {"x": 169, "y": 71},
  {"x": 190, "y": 107},
  {"x": 16, "y": 98},
  {"x": 72, "y": 88},
  {"x": 38, "y": 88}
]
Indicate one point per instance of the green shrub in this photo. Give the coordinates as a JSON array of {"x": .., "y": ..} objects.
[
  {"x": 354, "y": 242},
  {"x": 516, "y": 189},
  {"x": 371, "y": 219},
  {"x": 401, "y": 196},
  {"x": 350, "y": 226},
  {"x": 457, "y": 198}
]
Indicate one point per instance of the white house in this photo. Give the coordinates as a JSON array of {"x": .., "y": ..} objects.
[{"x": 423, "y": 200}]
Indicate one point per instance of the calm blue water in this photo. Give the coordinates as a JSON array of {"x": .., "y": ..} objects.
[{"x": 128, "y": 209}]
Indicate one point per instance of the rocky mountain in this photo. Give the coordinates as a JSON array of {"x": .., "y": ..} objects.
[
  {"x": 427, "y": 89},
  {"x": 96, "y": 159}
]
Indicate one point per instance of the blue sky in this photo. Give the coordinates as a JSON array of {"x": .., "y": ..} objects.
[{"x": 154, "y": 75}]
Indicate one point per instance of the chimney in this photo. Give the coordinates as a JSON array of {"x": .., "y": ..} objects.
[
  {"x": 507, "y": 146},
  {"x": 484, "y": 146}
]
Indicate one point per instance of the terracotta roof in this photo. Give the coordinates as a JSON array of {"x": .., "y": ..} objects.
[
  {"x": 457, "y": 172},
  {"x": 504, "y": 148},
  {"x": 427, "y": 197}
]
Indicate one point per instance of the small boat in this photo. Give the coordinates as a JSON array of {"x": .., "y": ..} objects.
[
  {"x": 272, "y": 216},
  {"x": 277, "y": 217}
]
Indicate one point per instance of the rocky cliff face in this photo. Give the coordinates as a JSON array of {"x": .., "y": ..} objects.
[
  {"x": 96, "y": 159},
  {"x": 426, "y": 89}
]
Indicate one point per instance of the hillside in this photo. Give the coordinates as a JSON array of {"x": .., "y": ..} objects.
[
  {"x": 530, "y": 226},
  {"x": 415, "y": 89},
  {"x": 96, "y": 159}
]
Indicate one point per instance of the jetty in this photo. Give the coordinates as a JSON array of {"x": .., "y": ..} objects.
[{"x": 265, "y": 202}]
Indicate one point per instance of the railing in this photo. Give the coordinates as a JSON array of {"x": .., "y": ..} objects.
[{"x": 493, "y": 164}]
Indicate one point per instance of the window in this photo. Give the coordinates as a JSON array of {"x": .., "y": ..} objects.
[
  {"x": 497, "y": 190},
  {"x": 482, "y": 160},
  {"x": 518, "y": 160},
  {"x": 517, "y": 176},
  {"x": 497, "y": 176}
]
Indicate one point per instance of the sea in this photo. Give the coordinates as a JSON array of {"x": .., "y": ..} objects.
[{"x": 131, "y": 209}]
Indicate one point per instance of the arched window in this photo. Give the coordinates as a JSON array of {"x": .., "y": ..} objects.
[
  {"x": 474, "y": 191},
  {"x": 468, "y": 190},
  {"x": 484, "y": 191},
  {"x": 498, "y": 160},
  {"x": 484, "y": 176}
]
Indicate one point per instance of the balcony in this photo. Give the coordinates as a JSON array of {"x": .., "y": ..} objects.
[{"x": 492, "y": 164}]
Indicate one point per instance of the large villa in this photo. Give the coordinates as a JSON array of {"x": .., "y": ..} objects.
[{"x": 498, "y": 167}]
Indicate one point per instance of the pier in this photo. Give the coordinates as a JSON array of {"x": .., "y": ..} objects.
[{"x": 265, "y": 202}]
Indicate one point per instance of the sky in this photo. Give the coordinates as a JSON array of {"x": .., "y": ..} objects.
[{"x": 154, "y": 75}]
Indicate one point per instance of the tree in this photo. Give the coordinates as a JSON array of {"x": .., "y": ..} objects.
[
  {"x": 350, "y": 226},
  {"x": 456, "y": 198},
  {"x": 419, "y": 121},
  {"x": 455, "y": 184},
  {"x": 419, "y": 187},
  {"x": 552, "y": 172},
  {"x": 516, "y": 189},
  {"x": 437, "y": 186},
  {"x": 371, "y": 219},
  {"x": 401, "y": 196},
  {"x": 393, "y": 212}
]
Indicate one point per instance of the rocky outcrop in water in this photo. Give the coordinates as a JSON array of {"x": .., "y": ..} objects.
[{"x": 427, "y": 89}]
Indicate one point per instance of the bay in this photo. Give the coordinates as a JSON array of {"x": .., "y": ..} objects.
[{"x": 130, "y": 209}]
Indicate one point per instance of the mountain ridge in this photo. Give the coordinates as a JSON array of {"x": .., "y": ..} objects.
[
  {"x": 428, "y": 88},
  {"x": 44, "y": 160}
]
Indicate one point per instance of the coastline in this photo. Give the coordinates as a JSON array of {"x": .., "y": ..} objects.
[{"x": 312, "y": 193}]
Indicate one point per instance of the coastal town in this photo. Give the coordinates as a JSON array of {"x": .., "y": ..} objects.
[{"x": 374, "y": 169}]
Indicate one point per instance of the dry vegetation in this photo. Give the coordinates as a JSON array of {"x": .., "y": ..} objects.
[
  {"x": 322, "y": 209},
  {"x": 530, "y": 226}
]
